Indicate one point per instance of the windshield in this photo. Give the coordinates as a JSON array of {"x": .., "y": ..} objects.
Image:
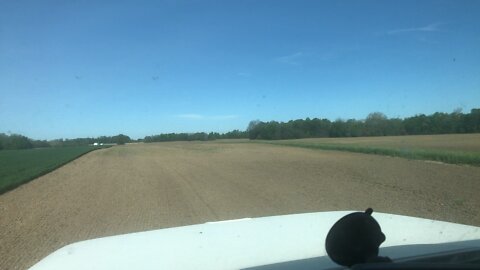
[{"x": 127, "y": 116}]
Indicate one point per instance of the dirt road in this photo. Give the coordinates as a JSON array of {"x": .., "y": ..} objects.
[{"x": 142, "y": 187}]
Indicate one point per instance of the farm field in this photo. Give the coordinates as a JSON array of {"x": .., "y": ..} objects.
[
  {"x": 449, "y": 148},
  {"x": 141, "y": 187},
  {"x": 20, "y": 166}
]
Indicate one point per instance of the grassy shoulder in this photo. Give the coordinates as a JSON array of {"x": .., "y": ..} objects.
[
  {"x": 20, "y": 166},
  {"x": 440, "y": 155}
]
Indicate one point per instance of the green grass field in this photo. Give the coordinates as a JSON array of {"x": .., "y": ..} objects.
[
  {"x": 451, "y": 148},
  {"x": 20, "y": 166}
]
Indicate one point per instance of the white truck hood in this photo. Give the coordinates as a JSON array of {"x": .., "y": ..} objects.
[{"x": 277, "y": 242}]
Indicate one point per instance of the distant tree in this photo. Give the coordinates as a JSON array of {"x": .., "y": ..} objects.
[
  {"x": 120, "y": 139},
  {"x": 394, "y": 126},
  {"x": 234, "y": 134},
  {"x": 3, "y": 140},
  {"x": 40, "y": 144},
  {"x": 16, "y": 141},
  {"x": 254, "y": 128},
  {"x": 471, "y": 121},
  {"x": 376, "y": 124},
  {"x": 319, "y": 127},
  {"x": 354, "y": 128},
  {"x": 457, "y": 121},
  {"x": 338, "y": 128}
]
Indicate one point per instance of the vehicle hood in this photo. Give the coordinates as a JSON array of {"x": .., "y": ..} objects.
[{"x": 277, "y": 242}]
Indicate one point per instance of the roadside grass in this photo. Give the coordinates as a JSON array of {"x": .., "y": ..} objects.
[
  {"x": 21, "y": 166},
  {"x": 452, "y": 157}
]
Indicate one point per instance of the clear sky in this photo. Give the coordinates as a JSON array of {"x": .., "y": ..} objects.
[{"x": 89, "y": 68}]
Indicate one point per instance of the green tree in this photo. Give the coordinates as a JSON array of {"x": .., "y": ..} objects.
[
  {"x": 16, "y": 141},
  {"x": 375, "y": 124},
  {"x": 120, "y": 139}
]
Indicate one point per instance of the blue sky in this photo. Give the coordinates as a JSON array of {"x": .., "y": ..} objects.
[{"x": 90, "y": 68}]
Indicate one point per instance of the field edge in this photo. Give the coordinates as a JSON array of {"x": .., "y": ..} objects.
[
  {"x": 15, "y": 185},
  {"x": 450, "y": 157}
]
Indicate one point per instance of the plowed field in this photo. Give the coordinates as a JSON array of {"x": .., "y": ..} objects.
[{"x": 143, "y": 187}]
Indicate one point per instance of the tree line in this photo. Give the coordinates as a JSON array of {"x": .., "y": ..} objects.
[
  {"x": 16, "y": 141},
  {"x": 376, "y": 124},
  {"x": 117, "y": 139},
  {"x": 198, "y": 136}
]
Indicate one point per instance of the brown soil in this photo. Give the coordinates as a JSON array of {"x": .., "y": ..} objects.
[
  {"x": 142, "y": 187},
  {"x": 444, "y": 142}
]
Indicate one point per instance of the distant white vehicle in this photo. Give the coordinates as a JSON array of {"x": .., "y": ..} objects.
[
  {"x": 279, "y": 242},
  {"x": 95, "y": 144}
]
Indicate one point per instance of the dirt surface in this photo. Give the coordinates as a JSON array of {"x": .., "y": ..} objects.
[
  {"x": 141, "y": 187},
  {"x": 444, "y": 142}
]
